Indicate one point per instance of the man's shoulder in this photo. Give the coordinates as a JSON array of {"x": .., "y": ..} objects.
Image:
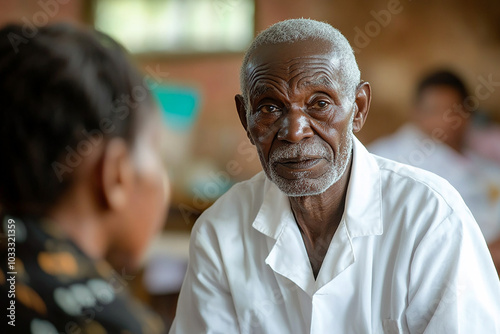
[
  {"x": 418, "y": 187},
  {"x": 418, "y": 175}
]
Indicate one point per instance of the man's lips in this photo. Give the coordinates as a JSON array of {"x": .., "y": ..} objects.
[{"x": 300, "y": 163}]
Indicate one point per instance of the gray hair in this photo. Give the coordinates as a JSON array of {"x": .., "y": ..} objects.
[{"x": 294, "y": 30}]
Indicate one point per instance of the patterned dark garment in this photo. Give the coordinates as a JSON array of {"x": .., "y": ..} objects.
[{"x": 58, "y": 289}]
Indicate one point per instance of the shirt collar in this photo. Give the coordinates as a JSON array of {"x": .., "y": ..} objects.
[
  {"x": 363, "y": 210},
  {"x": 274, "y": 212},
  {"x": 363, "y": 201}
]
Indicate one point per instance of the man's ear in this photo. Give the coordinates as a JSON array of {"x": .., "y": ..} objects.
[
  {"x": 242, "y": 113},
  {"x": 117, "y": 174},
  {"x": 363, "y": 99}
]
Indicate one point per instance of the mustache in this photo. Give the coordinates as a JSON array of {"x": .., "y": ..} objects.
[{"x": 300, "y": 150}]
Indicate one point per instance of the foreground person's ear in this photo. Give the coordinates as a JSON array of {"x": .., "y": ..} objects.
[
  {"x": 362, "y": 105},
  {"x": 242, "y": 113},
  {"x": 117, "y": 174}
]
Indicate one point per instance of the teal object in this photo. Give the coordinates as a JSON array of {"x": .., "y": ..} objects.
[{"x": 179, "y": 105}]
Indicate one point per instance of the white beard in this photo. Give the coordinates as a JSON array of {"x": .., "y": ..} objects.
[{"x": 305, "y": 186}]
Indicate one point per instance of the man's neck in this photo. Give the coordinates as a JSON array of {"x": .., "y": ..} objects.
[{"x": 318, "y": 217}]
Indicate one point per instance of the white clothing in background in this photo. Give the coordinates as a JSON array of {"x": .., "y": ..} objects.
[{"x": 476, "y": 179}]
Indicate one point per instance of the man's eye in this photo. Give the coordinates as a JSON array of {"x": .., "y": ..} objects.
[
  {"x": 269, "y": 109},
  {"x": 320, "y": 104}
]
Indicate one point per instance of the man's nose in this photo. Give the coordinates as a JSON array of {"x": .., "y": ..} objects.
[{"x": 295, "y": 126}]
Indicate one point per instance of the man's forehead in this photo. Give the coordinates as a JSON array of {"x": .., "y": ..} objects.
[
  {"x": 296, "y": 72},
  {"x": 262, "y": 84},
  {"x": 310, "y": 61}
]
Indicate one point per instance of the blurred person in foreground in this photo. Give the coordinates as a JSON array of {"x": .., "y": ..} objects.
[
  {"x": 435, "y": 140},
  {"x": 83, "y": 188},
  {"x": 330, "y": 238}
]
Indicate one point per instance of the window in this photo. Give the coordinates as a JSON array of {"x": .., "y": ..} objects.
[{"x": 177, "y": 26}]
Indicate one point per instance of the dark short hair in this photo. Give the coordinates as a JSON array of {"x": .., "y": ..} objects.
[
  {"x": 441, "y": 78},
  {"x": 59, "y": 90}
]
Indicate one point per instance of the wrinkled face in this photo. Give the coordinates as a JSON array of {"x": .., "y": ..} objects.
[{"x": 298, "y": 117}]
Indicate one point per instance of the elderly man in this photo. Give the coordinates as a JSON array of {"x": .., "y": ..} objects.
[{"x": 329, "y": 238}]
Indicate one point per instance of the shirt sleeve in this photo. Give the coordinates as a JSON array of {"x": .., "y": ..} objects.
[
  {"x": 453, "y": 285},
  {"x": 205, "y": 304}
]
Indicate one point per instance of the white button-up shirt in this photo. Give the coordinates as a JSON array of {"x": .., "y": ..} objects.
[{"x": 407, "y": 257}]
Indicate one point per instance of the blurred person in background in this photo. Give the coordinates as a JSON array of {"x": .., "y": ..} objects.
[
  {"x": 83, "y": 187},
  {"x": 435, "y": 140}
]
